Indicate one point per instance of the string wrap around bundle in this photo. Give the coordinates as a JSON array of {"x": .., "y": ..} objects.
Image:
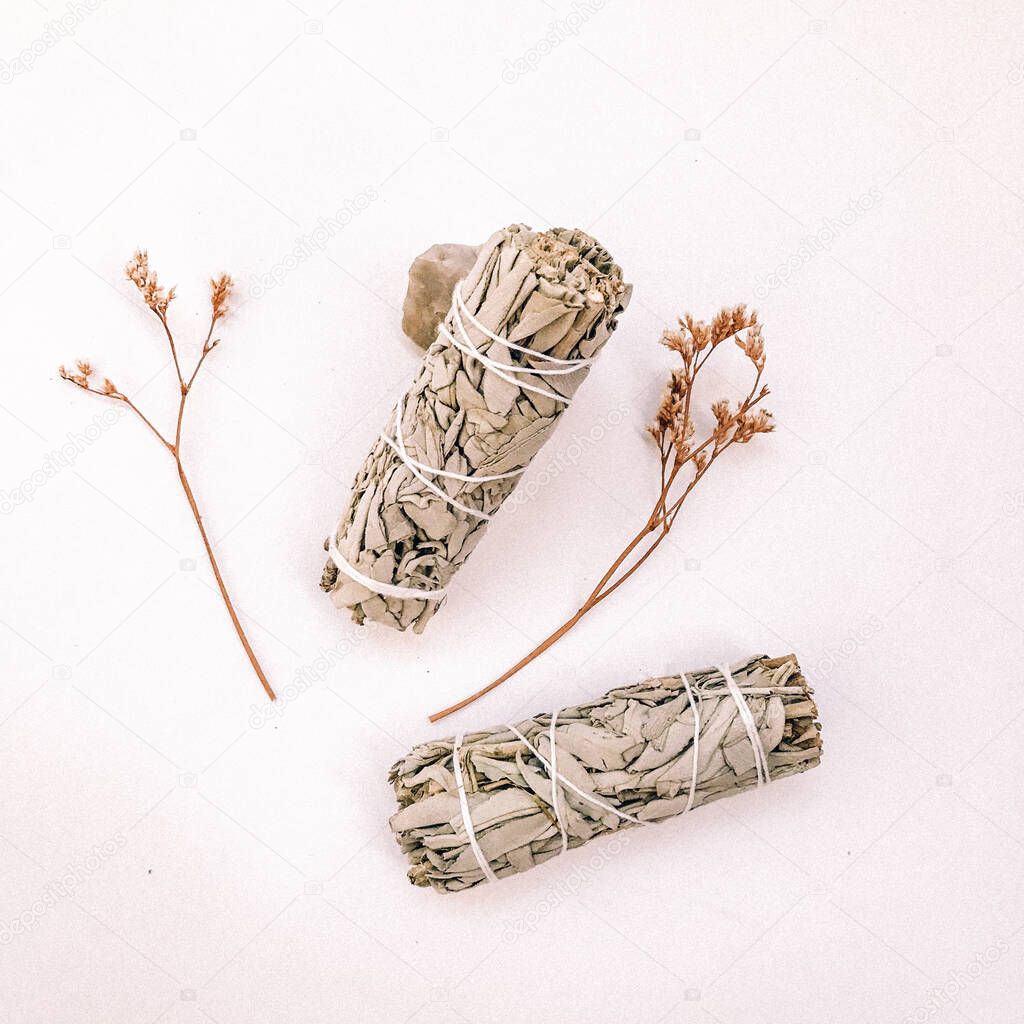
[
  {"x": 522, "y": 332},
  {"x": 481, "y": 806}
]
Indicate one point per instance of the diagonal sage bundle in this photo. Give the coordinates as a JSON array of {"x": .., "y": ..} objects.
[
  {"x": 523, "y": 329},
  {"x": 493, "y": 803}
]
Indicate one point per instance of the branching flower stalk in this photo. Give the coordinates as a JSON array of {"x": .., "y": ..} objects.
[
  {"x": 158, "y": 300},
  {"x": 684, "y": 461}
]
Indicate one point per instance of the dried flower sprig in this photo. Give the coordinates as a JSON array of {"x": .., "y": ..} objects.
[
  {"x": 158, "y": 300},
  {"x": 684, "y": 461}
]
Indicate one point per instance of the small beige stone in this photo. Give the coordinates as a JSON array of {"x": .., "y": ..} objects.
[{"x": 432, "y": 279}]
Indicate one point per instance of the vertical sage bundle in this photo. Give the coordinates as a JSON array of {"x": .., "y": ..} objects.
[
  {"x": 497, "y": 802},
  {"x": 523, "y": 329}
]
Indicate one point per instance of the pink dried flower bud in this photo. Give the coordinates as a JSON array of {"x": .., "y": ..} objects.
[
  {"x": 683, "y": 449},
  {"x": 137, "y": 271},
  {"x": 220, "y": 290},
  {"x": 753, "y": 346},
  {"x": 74, "y": 378},
  {"x": 137, "y": 268}
]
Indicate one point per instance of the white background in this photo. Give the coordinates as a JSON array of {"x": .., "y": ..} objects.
[{"x": 872, "y": 150}]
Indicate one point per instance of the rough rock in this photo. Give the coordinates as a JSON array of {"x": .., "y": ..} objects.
[{"x": 432, "y": 278}]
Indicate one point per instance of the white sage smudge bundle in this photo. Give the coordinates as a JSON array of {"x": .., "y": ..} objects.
[
  {"x": 486, "y": 805},
  {"x": 523, "y": 329}
]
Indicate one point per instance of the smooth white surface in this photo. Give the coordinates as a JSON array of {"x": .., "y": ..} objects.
[{"x": 877, "y": 533}]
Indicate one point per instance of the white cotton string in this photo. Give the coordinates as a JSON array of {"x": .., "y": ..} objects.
[
  {"x": 696, "y": 742},
  {"x": 467, "y": 818},
  {"x": 503, "y": 370},
  {"x": 588, "y": 797},
  {"x": 574, "y": 364},
  {"x": 554, "y": 783},
  {"x": 398, "y": 444},
  {"x": 760, "y": 758},
  {"x": 552, "y": 768},
  {"x": 468, "y": 350},
  {"x": 384, "y": 589},
  {"x": 557, "y": 779},
  {"x": 454, "y": 502},
  {"x": 418, "y": 469}
]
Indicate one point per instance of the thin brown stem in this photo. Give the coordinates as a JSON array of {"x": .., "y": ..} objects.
[
  {"x": 672, "y": 434},
  {"x": 207, "y": 349},
  {"x": 158, "y": 300},
  {"x": 190, "y": 496},
  {"x": 257, "y": 668},
  {"x": 178, "y": 422},
  {"x": 594, "y": 599},
  {"x": 138, "y": 412},
  {"x": 522, "y": 663},
  {"x": 632, "y": 569},
  {"x": 174, "y": 350}
]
